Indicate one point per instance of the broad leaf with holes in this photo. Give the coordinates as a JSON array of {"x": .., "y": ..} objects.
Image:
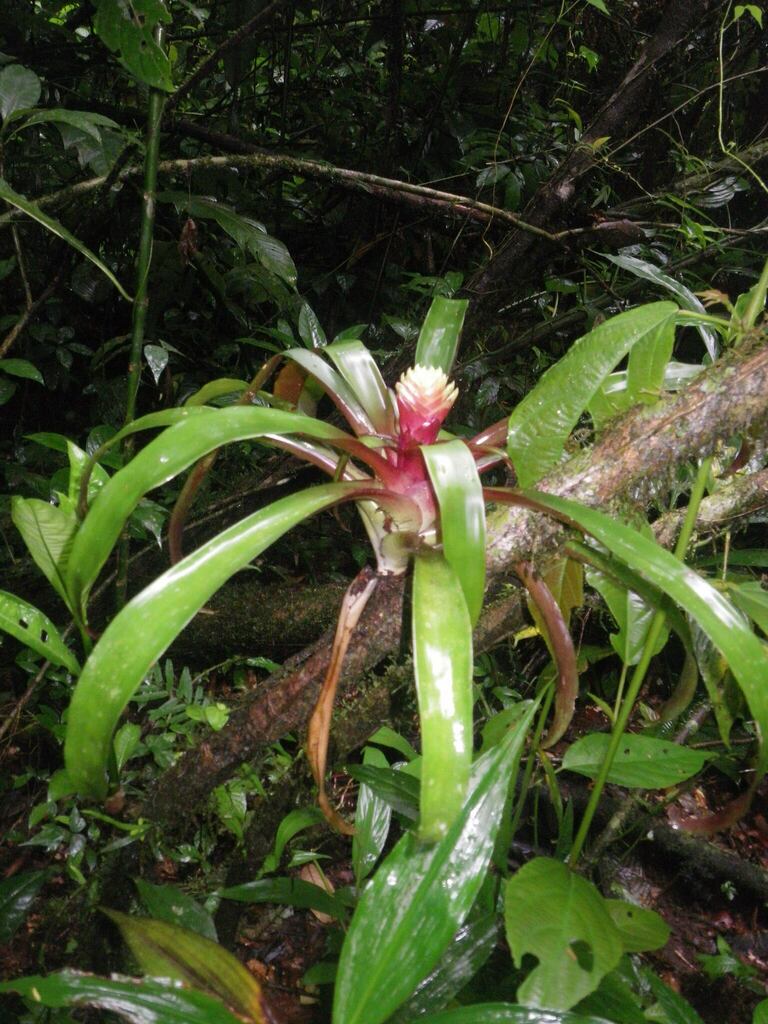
[
  {"x": 560, "y": 918},
  {"x": 33, "y": 628}
]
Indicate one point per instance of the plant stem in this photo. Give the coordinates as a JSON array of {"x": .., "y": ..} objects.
[
  {"x": 654, "y": 631},
  {"x": 531, "y": 761},
  {"x": 141, "y": 301}
]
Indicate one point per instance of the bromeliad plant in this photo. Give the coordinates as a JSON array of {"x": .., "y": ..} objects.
[{"x": 419, "y": 494}]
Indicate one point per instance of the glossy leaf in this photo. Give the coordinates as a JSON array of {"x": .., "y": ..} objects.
[
  {"x": 21, "y": 368},
  {"x": 397, "y": 789},
  {"x": 442, "y": 662},
  {"x": 647, "y": 364},
  {"x": 506, "y": 1013},
  {"x": 421, "y": 895},
  {"x": 294, "y": 822},
  {"x": 49, "y": 533},
  {"x": 542, "y": 422},
  {"x": 162, "y": 459},
  {"x": 614, "y": 999},
  {"x": 80, "y": 463},
  {"x": 640, "y": 929},
  {"x": 171, "y": 904},
  {"x": 470, "y": 949},
  {"x": 359, "y": 369},
  {"x": 34, "y": 629},
  {"x": 84, "y": 120},
  {"x": 129, "y": 33},
  {"x": 33, "y": 210},
  {"x": 149, "y": 623},
  {"x": 439, "y": 335},
  {"x": 641, "y": 762},
  {"x": 560, "y": 918},
  {"x": 459, "y": 494},
  {"x": 649, "y": 272},
  {"x": 292, "y": 892},
  {"x": 752, "y": 599},
  {"x": 310, "y": 328},
  {"x": 146, "y": 1001},
  {"x": 632, "y": 614},
  {"x": 216, "y": 389},
  {"x": 17, "y": 894},
  {"x": 372, "y": 820},
  {"x": 746, "y": 656},
  {"x": 387, "y": 737},
  {"x": 336, "y": 387},
  {"x": 249, "y": 234},
  {"x": 168, "y": 951},
  {"x": 718, "y": 681},
  {"x": 19, "y": 89},
  {"x": 676, "y": 1010}
]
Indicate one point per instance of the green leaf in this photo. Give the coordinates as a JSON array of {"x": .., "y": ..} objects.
[
  {"x": 641, "y": 762},
  {"x": 397, "y": 789},
  {"x": 294, "y": 822},
  {"x": 470, "y": 949},
  {"x": 421, "y": 895},
  {"x": 29, "y": 625},
  {"x": 676, "y": 1009},
  {"x": 722, "y": 623},
  {"x": 760, "y": 1015},
  {"x": 80, "y": 462},
  {"x": 600, "y": 5},
  {"x": 33, "y": 210},
  {"x": 442, "y": 661},
  {"x": 146, "y": 1001},
  {"x": 17, "y": 895},
  {"x": 168, "y": 951},
  {"x": 459, "y": 493},
  {"x": 718, "y": 681},
  {"x": 128, "y": 30},
  {"x": 310, "y": 328},
  {"x": 127, "y": 739},
  {"x": 149, "y": 623},
  {"x": 640, "y": 929},
  {"x": 335, "y": 386},
  {"x": 358, "y": 368},
  {"x": 21, "y": 368},
  {"x": 649, "y": 272},
  {"x": 387, "y": 737},
  {"x": 752, "y": 599},
  {"x": 174, "y": 906},
  {"x": 162, "y": 459},
  {"x": 614, "y": 1000},
  {"x": 215, "y": 389},
  {"x": 561, "y": 919},
  {"x": 249, "y": 234},
  {"x": 49, "y": 533},
  {"x": 540, "y": 425},
  {"x": 439, "y": 335},
  {"x": 84, "y": 120},
  {"x": 633, "y": 616},
  {"x": 506, "y": 1013},
  {"x": 372, "y": 820},
  {"x": 647, "y": 364},
  {"x": 293, "y": 892},
  {"x": 19, "y": 89}
]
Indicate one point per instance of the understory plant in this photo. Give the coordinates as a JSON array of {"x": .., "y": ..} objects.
[{"x": 419, "y": 493}]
